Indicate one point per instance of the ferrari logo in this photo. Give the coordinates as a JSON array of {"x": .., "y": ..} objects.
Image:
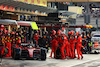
[
  {"x": 80, "y": 40},
  {"x": 64, "y": 37}
]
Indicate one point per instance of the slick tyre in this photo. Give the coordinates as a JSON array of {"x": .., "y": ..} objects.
[
  {"x": 43, "y": 55},
  {"x": 16, "y": 55},
  {"x": 58, "y": 53}
]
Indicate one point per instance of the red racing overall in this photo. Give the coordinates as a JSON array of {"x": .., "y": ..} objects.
[
  {"x": 64, "y": 41},
  {"x": 13, "y": 39},
  {"x": 3, "y": 43},
  {"x": 68, "y": 51},
  {"x": 78, "y": 47},
  {"x": 36, "y": 37},
  {"x": 54, "y": 46},
  {"x": 72, "y": 45},
  {"x": 17, "y": 45},
  {"x": 9, "y": 46}
]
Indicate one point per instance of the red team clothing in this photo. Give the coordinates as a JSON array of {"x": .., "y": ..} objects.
[
  {"x": 68, "y": 50},
  {"x": 56, "y": 41},
  {"x": 36, "y": 37},
  {"x": 54, "y": 46},
  {"x": 3, "y": 43},
  {"x": 78, "y": 46},
  {"x": 72, "y": 46},
  {"x": 8, "y": 45},
  {"x": 63, "y": 46}
]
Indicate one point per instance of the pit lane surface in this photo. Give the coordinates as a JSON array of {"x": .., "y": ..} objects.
[{"x": 89, "y": 60}]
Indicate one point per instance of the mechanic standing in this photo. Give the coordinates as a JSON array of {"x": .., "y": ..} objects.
[
  {"x": 60, "y": 40},
  {"x": 59, "y": 37},
  {"x": 3, "y": 42},
  {"x": 0, "y": 41},
  {"x": 24, "y": 34},
  {"x": 23, "y": 38},
  {"x": 54, "y": 43},
  {"x": 68, "y": 47},
  {"x": 53, "y": 34},
  {"x": 79, "y": 45},
  {"x": 36, "y": 37},
  {"x": 88, "y": 41},
  {"x": 72, "y": 44},
  {"x": 13, "y": 39},
  {"x": 8, "y": 44},
  {"x": 17, "y": 40},
  {"x": 64, "y": 42},
  {"x": 48, "y": 38}
]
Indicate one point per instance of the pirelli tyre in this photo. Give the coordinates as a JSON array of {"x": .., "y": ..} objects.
[
  {"x": 43, "y": 54},
  {"x": 17, "y": 53},
  {"x": 58, "y": 53}
]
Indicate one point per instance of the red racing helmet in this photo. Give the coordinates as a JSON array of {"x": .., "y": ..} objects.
[
  {"x": 69, "y": 33},
  {"x": 63, "y": 28},
  {"x": 78, "y": 33},
  {"x": 53, "y": 32},
  {"x": 12, "y": 32},
  {"x": 72, "y": 32},
  {"x": 59, "y": 32},
  {"x": 16, "y": 33}
]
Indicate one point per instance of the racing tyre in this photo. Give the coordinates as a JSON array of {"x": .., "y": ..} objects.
[
  {"x": 96, "y": 52},
  {"x": 43, "y": 54},
  {"x": 58, "y": 53},
  {"x": 16, "y": 54}
]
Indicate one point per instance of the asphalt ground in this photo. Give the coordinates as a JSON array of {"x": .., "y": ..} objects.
[{"x": 89, "y": 60}]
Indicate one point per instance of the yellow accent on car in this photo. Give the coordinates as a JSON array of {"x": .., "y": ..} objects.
[{"x": 34, "y": 26}]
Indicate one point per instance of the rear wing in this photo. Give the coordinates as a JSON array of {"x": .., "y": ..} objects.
[{"x": 28, "y": 23}]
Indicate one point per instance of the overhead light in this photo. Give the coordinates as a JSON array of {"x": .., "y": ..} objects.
[
  {"x": 36, "y": 11},
  {"x": 10, "y": 13}
]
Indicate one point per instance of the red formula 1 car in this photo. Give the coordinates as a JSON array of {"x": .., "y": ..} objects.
[{"x": 28, "y": 51}]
